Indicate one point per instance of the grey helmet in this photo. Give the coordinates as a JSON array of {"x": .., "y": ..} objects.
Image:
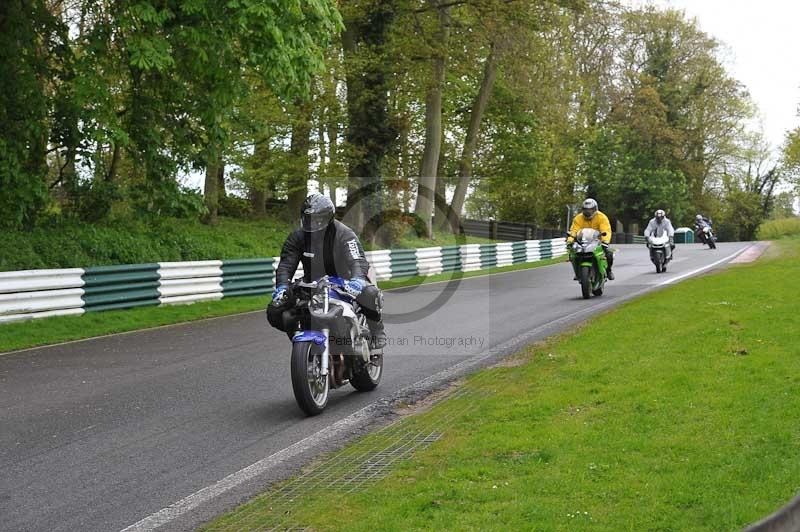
[
  {"x": 699, "y": 217},
  {"x": 660, "y": 215},
  {"x": 316, "y": 213},
  {"x": 589, "y": 208}
]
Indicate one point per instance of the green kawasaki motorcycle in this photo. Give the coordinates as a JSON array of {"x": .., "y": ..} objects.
[{"x": 589, "y": 261}]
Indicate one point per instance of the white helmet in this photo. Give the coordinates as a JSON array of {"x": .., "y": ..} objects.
[
  {"x": 660, "y": 215},
  {"x": 698, "y": 217},
  {"x": 589, "y": 208}
]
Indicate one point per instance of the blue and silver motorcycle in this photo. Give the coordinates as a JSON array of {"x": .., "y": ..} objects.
[{"x": 330, "y": 347}]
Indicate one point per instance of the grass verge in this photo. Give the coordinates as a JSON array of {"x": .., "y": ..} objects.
[
  {"x": 35, "y": 333},
  {"x": 677, "y": 411}
]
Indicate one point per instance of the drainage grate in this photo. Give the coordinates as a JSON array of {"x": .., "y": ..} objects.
[{"x": 351, "y": 469}]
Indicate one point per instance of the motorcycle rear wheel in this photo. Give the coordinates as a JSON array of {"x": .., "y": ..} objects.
[
  {"x": 310, "y": 388},
  {"x": 586, "y": 282}
]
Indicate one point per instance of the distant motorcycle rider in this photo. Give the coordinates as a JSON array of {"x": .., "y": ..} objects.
[
  {"x": 590, "y": 217},
  {"x": 326, "y": 246},
  {"x": 660, "y": 225},
  {"x": 701, "y": 222}
]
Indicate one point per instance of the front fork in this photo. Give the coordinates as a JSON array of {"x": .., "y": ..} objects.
[{"x": 327, "y": 333}]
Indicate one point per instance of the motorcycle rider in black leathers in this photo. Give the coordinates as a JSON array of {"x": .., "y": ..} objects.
[
  {"x": 700, "y": 222},
  {"x": 326, "y": 246}
]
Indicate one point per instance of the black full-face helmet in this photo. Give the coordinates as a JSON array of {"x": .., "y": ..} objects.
[{"x": 316, "y": 213}]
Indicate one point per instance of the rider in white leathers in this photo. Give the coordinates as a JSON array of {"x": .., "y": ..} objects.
[{"x": 660, "y": 225}]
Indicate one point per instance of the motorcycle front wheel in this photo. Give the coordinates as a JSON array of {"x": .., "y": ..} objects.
[
  {"x": 309, "y": 385},
  {"x": 586, "y": 282},
  {"x": 712, "y": 244}
]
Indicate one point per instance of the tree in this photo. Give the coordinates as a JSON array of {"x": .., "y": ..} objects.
[
  {"x": 371, "y": 135},
  {"x": 791, "y": 155},
  {"x": 28, "y": 35},
  {"x": 749, "y": 189},
  {"x": 433, "y": 121}
]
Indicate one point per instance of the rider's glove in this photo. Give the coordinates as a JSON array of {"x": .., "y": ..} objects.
[
  {"x": 354, "y": 286},
  {"x": 279, "y": 293}
]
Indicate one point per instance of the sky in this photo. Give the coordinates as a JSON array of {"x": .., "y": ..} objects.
[{"x": 762, "y": 40}]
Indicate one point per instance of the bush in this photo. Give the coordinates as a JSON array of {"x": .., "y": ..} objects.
[
  {"x": 773, "y": 229},
  {"x": 727, "y": 231},
  {"x": 69, "y": 244}
]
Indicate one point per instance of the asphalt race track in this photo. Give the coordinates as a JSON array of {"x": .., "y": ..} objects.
[{"x": 100, "y": 434}]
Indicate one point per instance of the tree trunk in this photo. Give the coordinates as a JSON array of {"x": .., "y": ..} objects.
[
  {"x": 440, "y": 204},
  {"x": 221, "y": 193},
  {"x": 322, "y": 149},
  {"x": 471, "y": 140},
  {"x": 354, "y": 213},
  {"x": 433, "y": 127},
  {"x": 327, "y": 163},
  {"x": 211, "y": 191},
  {"x": 258, "y": 191},
  {"x": 69, "y": 176},
  {"x": 301, "y": 140},
  {"x": 112, "y": 169},
  {"x": 333, "y": 157},
  {"x": 370, "y": 133}
]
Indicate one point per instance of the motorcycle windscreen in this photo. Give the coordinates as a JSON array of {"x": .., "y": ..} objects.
[{"x": 588, "y": 234}]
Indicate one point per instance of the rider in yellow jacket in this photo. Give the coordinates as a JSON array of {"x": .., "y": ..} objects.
[{"x": 591, "y": 218}]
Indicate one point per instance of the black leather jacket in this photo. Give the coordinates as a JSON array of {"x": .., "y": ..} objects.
[
  {"x": 699, "y": 225},
  {"x": 334, "y": 251}
]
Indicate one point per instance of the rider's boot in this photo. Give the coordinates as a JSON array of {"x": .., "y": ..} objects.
[
  {"x": 377, "y": 337},
  {"x": 610, "y": 274}
]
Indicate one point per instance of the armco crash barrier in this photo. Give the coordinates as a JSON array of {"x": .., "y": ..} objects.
[{"x": 42, "y": 293}]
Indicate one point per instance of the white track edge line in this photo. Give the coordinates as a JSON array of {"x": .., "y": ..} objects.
[{"x": 707, "y": 267}]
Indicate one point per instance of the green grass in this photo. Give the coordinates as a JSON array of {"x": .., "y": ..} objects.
[
  {"x": 773, "y": 229},
  {"x": 34, "y": 333},
  {"x": 677, "y": 411}
]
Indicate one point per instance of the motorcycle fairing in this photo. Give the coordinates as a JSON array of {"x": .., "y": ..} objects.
[{"x": 309, "y": 336}]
